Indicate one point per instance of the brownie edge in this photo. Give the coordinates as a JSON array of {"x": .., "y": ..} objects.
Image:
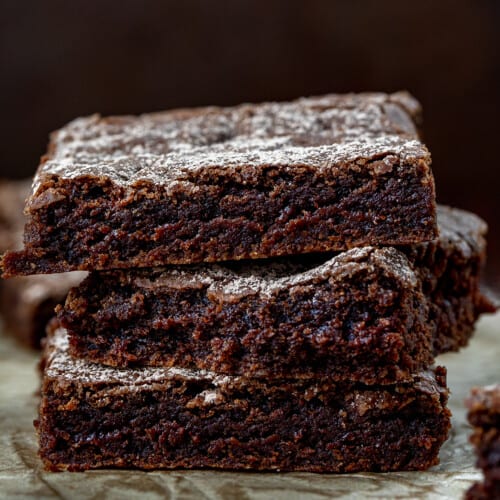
[{"x": 450, "y": 269}]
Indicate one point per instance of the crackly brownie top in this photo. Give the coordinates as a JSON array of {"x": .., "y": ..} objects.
[
  {"x": 237, "y": 280},
  {"x": 170, "y": 146},
  {"x": 61, "y": 367},
  {"x": 463, "y": 230}
]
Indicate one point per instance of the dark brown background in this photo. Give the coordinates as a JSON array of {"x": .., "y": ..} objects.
[{"x": 60, "y": 59}]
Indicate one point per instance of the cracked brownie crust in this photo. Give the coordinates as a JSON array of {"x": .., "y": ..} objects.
[
  {"x": 359, "y": 316},
  {"x": 218, "y": 184},
  {"x": 150, "y": 418}
]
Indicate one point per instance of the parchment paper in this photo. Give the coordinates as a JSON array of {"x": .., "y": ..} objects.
[{"x": 21, "y": 474}]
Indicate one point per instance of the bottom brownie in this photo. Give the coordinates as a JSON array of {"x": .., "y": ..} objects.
[
  {"x": 93, "y": 416},
  {"x": 484, "y": 415}
]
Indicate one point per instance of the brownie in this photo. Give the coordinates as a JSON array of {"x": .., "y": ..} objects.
[
  {"x": 450, "y": 270},
  {"x": 216, "y": 184},
  {"x": 27, "y": 303},
  {"x": 359, "y": 316},
  {"x": 483, "y": 407},
  {"x": 483, "y": 491},
  {"x": 93, "y": 416}
]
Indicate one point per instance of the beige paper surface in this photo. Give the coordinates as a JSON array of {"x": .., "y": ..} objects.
[{"x": 21, "y": 475}]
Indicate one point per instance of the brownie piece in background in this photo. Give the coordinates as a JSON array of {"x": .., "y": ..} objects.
[
  {"x": 92, "y": 416},
  {"x": 215, "y": 184},
  {"x": 27, "y": 303},
  {"x": 483, "y": 406},
  {"x": 450, "y": 269},
  {"x": 13, "y": 195}
]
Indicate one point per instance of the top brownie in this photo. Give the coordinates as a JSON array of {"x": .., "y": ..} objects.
[{"x": 214, "y": 184}]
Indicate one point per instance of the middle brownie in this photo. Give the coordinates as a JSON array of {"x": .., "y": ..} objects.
[{"x": 359, "y": 316}]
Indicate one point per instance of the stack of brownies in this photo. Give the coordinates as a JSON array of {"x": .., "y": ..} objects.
[{"x": 269, "y": 286}]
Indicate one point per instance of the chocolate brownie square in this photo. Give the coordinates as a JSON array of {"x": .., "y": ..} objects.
[
  {"x": 93, "y": 416},
  {"x": 216, "y": 184},
  {"x": 359, "y": 316}
]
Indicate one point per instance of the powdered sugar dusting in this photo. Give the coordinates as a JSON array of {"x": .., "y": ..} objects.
[
  {"x": 165, "y": 169},
  {"x": 336, "y": 269},
  {"x": 62, "y": 366},
  {"x": 166, "y": 147},
  {"x": 229, "y": 284}
]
